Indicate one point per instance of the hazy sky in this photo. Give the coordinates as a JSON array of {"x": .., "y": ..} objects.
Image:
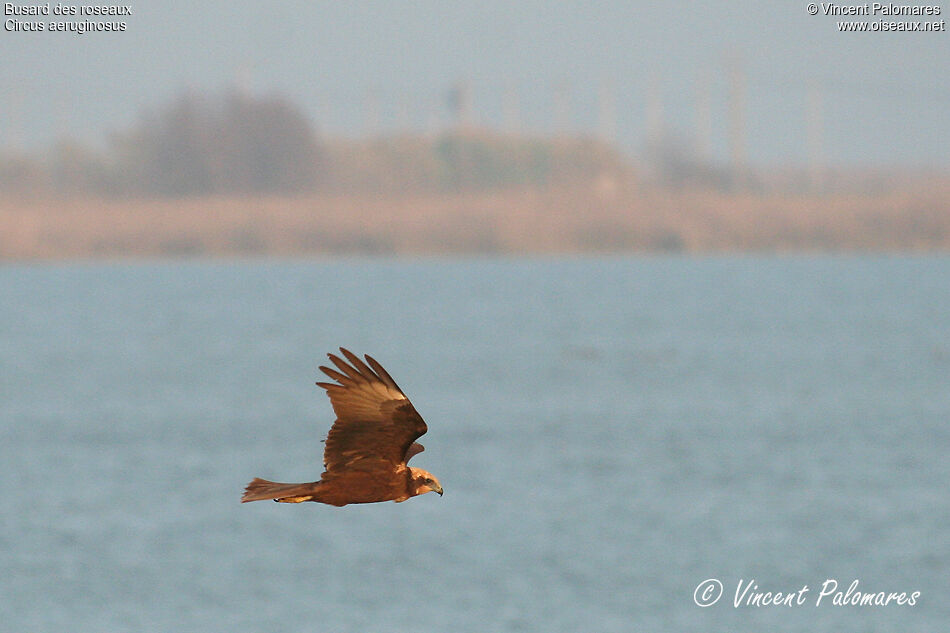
[{"x": 358, "y": 66}]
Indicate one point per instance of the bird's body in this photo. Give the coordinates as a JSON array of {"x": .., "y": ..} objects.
[
  {"x": 368, "y": 446},
  {"x": 352, "y": 487}
]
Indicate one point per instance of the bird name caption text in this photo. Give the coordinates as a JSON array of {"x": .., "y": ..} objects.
[
  {"x": 65, "y": 17},
  {"x": 749, "y": 594}
]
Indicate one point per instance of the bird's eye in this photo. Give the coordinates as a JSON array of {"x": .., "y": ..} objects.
[{"x": 428, "y": 481}]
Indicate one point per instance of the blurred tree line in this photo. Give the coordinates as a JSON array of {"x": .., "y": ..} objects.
[
  {"x": 234, "y": 143},
  {"x": 194, "y": 145}
]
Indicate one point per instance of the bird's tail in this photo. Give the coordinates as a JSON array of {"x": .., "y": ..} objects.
[{"x": 261, "y": 489}]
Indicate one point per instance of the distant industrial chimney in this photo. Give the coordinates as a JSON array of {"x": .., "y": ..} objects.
[
  {"x": 654, "y": 111},
  {"x": 511, "y": 109},
  {"x": 703, "y": 117},
  {"x": 814, "y": 136},
  {"x": 607, "y": 112},
  {"x": 737, "y": 121},
  {"x": 371, "y": 112},
  {"x": 459, "y": 102},
  {"x": 560, "y": 115}
]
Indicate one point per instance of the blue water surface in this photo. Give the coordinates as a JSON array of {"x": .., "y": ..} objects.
[{"x": 610, "y": 432}]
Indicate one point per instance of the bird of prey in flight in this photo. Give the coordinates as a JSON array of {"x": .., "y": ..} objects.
[{"x": 366, "y": 451}]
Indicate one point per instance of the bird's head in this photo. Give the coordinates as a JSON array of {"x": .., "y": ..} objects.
[{"x": 423, "y": 482}]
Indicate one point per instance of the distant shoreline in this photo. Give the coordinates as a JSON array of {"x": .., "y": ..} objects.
[{"x": 595, "y": 218}]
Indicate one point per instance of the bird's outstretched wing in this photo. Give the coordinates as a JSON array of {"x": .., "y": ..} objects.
[{"x": 375, "y": 420}]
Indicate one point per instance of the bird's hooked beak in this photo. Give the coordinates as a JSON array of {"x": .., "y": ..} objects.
[{"x": 436, "y": 488}]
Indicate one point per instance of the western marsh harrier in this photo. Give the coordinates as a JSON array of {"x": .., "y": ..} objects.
[{"x": 368, "y": 446}]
